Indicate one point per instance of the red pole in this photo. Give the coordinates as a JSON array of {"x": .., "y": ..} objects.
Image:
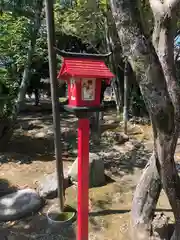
[{"x": 83, "y": 178}]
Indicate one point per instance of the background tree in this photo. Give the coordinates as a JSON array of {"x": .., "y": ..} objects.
[{"x": 20, "y": 24}]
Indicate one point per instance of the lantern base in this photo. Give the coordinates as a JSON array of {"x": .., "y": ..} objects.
[{"x": 84, "y": 112}]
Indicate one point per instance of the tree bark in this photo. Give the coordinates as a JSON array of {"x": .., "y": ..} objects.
[
  {"x": 146, "y": 64},
  {"x": 163, "y": 40},
  {"x": 145, "y": 200},
  {"x": 96, "y": 128},
  {"x": 113, "y": 45}
]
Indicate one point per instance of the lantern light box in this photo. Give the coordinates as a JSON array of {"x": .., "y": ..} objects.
[{"x": 84, "y": 77}]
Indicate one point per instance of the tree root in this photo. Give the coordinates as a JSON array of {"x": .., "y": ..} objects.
[{"x": 144, "y": 202}]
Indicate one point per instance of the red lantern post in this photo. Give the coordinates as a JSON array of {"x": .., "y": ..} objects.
[
  {"x": 83, "y": 177},
  {"x": 83, "y": 73}
]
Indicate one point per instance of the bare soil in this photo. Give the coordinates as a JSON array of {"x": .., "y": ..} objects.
[{"x": 30, "y": 155}]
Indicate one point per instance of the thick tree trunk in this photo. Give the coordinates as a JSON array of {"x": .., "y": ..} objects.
[
  {"x": 146, "y": 64},
  {"x": 163, "y": 40}
]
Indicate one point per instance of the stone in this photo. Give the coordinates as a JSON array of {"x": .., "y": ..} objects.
[
  {"x": 19, "y": 204},
  {"x": 119, "y": 137},
  {"x": 111, "y": 121},
  {"x": 47, "y": 187},
  {"x": 96, "y": 171},
  {"x": 40, "y": 135},
  {"x": 108, "y": 134},
  {"x": 130, "y": 146}
]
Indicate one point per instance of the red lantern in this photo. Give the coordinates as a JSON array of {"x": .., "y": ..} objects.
[
  {"x": 83, "y": 74},
  {"x": 84, "y": 78}
]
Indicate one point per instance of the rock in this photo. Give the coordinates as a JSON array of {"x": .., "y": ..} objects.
[
  {"x": 19, "y": 204},
  {"x": 120, "y": 148},
  {"x": 32, "y": 132},
  {"x": 121, "y": 173},
  {"x": 50, "y": 132},
  {"x": 130, "y": 146},
  {"x": 35, "y": 122},
  {"x": 47, "y": 186},
  {"x": 96, "y": 171},
  {"x": 111, "y": 121},
  {"x": 40, "y": 135},
  {"x": 119, "y": 137},
  {"x": 108, "y": 134}
]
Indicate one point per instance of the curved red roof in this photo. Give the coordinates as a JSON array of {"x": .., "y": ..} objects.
[{"x": 85, "y": 68}]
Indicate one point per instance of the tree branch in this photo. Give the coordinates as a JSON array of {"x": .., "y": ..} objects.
[
  {"x": 171, "y": 4},
  {"x": 163, "y": 8},
  {"x": 157, "y": 7}
]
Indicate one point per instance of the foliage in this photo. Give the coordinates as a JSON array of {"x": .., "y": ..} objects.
[
  {"x": 80, "y": 21},
  {"x": 14, "y": 40},
  {"x": 83, "y": 19},
  {"x": 24, "y": 8},
  {"x": 16, "y": 29}
]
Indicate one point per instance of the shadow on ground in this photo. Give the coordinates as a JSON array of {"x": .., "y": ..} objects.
[
  {"x": 34, "y": 139},
  {"x": 6, "y": 187},
  {"x": 36, "y": 227}
]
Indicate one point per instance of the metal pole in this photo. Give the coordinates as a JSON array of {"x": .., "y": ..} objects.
[
  {"x": 83, "y": 178},
  {"x": 55, "y": 100},
  {"x": 125, "y": 110}
]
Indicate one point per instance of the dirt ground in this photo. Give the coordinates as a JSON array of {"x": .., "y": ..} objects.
[{"x": 30, "y": 156}]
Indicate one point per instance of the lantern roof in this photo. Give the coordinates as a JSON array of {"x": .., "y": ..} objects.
[
  {"x": 82, "y": 54},
  {"x": 85, "y": 68}
]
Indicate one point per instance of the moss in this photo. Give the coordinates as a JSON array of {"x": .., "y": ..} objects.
[{"x": 64, "y": 216}]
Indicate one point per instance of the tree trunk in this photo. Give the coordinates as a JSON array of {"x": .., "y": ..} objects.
[
  {"x": 144, "y": 201},
  {"x": 96, "y": 128},
  {"x": 146, "y": 64},
  {"x": 32, "y": 43},
  {"x": 163, "y": 40},
  {"x": 112, "y": 45},
  {"x": 26, "y": 75}
]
